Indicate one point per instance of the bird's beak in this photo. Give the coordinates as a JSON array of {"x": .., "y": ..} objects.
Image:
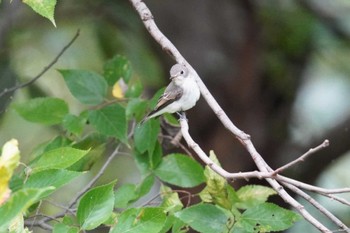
[{"x": 172, "y": 77}]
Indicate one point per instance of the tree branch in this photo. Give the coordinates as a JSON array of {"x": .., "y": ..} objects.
[
  {"x": 25, "y": 84},
  {"x": 311, "y": 151},
  {"x": 264, "y": 170},
  {"x": 97, "y": 176}
]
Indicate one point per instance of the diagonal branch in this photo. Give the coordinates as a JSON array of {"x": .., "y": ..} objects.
[
  {"x": 311, "y": 151},
  {"x": 25, "y": 84}
]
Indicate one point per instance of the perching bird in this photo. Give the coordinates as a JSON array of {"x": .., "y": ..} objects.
[{"x": 180, "y": 95}]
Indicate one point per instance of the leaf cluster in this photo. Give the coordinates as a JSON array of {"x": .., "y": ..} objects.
[{"x": 110, "y": 118}]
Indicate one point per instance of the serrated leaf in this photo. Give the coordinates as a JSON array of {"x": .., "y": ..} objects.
[
  {"x": 59, "y": 158},
  {"x": 204, "y": 218},
  {"x": 53, "y": 177},
  {"x": 266, "y": 217},
  {"x": 18, "y": 202},
  {"x": 180, "y": 170},
  {"x": 252, "y": 195},
  {"x": 44, "y": 8},
  {"x": 96, "y": 206},
  {"x": 73, "y": 124},
  {"x": 46, "y": 110},
  {"x": 116, "y": 68},
  {"x": 88, "y": 87},
  {"x": 110, "y": 121},
  {"x": 149, "y": 219},
  {"x": 146, "y": 136}
]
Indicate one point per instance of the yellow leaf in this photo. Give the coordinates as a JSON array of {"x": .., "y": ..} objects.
[
  {"x": 117, "y": 91},
  {"x": 9, "y": 160}
]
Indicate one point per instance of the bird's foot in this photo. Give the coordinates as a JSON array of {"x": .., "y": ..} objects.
[{"x": 182, "y": 115}]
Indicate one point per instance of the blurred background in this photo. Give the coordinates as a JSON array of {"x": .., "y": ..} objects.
[{"x": 280, "y": 70}]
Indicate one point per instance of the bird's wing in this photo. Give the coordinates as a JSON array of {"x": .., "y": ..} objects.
[{"x": 171, "y": 94}]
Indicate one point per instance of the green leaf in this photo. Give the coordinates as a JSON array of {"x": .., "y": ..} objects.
[
  {"x": 63, "y": 228},
  {"x": 252, "y": 195},
  {"x": 146, "y": 136},
  {"x": 47, "y": 110},
  {"x": 110, "y": 121},
  {"x": 171, "y": 200},
  {"x": 44, "y": 8},
  {"x": 149, "y": 219},
  {"x": 216, "y": 190},
  {"x": 266, "y": 217},
  {"x": 204, "y": 218},
  {"x": 137, "y": 108},
  {"x": 88, "y": 87},
  {"x": 54, "y": 178},
  {"x": 135, "y": 89},
  {"x": 96, "y": 206},
  {"x": 18, "y": 202},
  {"x": 145, "y": 186},
  {"x": 74, "y": 124},
  {"x": 180, "y": 170},
  {"x": 124, "y": 195},
  {"x": 116, "y": 68},
  {"x": 59, "y": 158}
]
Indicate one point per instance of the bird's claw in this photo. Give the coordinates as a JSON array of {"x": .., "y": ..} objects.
[{"x": 182, "y": 115}]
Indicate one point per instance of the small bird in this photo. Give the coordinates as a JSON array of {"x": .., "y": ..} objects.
[{"x": 180, "y": 95}]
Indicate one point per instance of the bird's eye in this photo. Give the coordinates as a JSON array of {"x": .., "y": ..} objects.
[{"x": 182, "y": 72}]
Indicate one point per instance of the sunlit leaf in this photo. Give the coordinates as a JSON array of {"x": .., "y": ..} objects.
[
  {"x": 58, "y": 158},
  {"x": 9, "y": 160},
  {"x": 45, "y": 8},
  {"x": 252, "y": 195}
]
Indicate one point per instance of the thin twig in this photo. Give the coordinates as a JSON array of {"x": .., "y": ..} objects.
[
  {"x": 311, "y": 151},
  {"x": 97, "y": 176},
  {"x": 25, "y": 84},
  {"x": 179, "y": 144},
  {"x": 318, "y": 206}
]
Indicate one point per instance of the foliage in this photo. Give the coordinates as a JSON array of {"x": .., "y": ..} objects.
[{"x": 109, "y": 121}]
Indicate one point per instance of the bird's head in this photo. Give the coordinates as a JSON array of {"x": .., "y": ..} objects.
[{"x": 178, "y": 72}]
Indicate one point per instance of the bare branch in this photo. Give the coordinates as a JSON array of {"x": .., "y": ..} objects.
[
  {"x": 318, "y": 206},
  {"x": 97, "y": 176},
  {"x": 25, "y": 84},
  {"x": 311, "y": 151},
  {"x": 282, "y": 193}
]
